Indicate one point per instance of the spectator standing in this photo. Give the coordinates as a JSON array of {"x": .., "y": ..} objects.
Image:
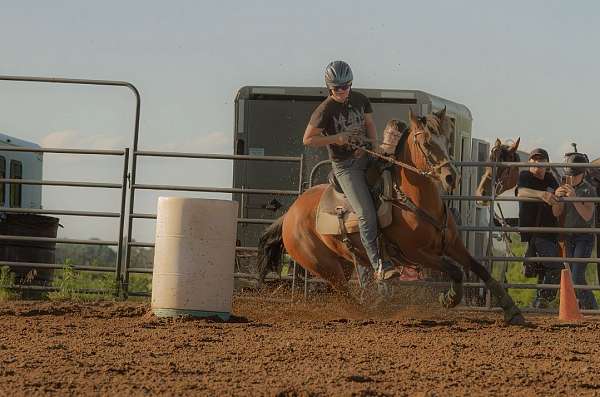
[
  {"x": 578, "y": 215},
  {"x": 538, "y": 182}
]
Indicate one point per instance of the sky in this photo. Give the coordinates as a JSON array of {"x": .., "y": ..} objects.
[{"x": 524, "y": 68}]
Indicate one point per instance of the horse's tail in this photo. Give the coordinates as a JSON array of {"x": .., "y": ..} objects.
[{"x": 270, "y": 248}]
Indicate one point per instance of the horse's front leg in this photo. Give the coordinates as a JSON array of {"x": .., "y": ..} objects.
[
  {"x": 512, "y": 314},
  {"x": 454, "y": 295}
]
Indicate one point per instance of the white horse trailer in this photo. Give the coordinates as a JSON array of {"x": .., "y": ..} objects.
[{"x": 19, "y": 165}]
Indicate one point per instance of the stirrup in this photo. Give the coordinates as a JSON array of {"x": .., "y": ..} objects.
[{"x": 388, "y": 274}]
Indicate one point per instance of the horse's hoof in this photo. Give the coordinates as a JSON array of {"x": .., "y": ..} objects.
[
  {"x": 448, "y": 300},
  {"x": 515, "y": 319}
]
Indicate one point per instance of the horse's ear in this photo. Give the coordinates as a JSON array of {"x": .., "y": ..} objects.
[
  {"x": 414, "y": 122},
  {"x": 441, "y": 114},
  {"x": 498, "y": 142},
  {"x": 515, "y": 145}
]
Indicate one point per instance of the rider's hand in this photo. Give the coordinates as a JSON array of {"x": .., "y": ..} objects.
[
  {"x": 549, "y": 198},
  {"x": 384, "y": 150},
  {"x": 359, "y": 139},
  {"x": 560, "y": 192},
  {"x": 342, "y": 138}
]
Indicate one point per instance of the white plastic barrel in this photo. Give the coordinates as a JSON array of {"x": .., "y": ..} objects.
[{"x": 194, "y": 257}]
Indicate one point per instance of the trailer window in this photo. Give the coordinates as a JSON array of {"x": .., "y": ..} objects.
[
  {"x": 16, "y": 172},
  {"x": 2, "y": 176}
]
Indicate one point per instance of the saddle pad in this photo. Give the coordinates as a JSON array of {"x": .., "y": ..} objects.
[{"x": 327, "y": 219}]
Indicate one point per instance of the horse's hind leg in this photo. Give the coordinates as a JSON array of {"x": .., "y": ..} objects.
[
  {"x": 512, "y": 314},
  {"x": 313, "y": 255}
]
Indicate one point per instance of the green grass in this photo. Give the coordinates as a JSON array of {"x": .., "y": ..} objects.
[
  {"x": 7, "y": 280},
  {"x": 70, "y": 284},
  {"x": 140, "y": 283},
  {"x": 514, "y": 274}
]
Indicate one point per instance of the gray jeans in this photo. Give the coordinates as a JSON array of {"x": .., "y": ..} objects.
[{"x": 352, "y": 177}]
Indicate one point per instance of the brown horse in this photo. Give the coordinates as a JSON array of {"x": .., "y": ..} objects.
[
  {"x": 506, "y": 177},
  {"x": 434, "y": 244}
]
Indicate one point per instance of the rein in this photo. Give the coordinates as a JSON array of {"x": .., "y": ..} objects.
[
  {"x": 401, "y": 200},
  {"x": 391, "y": 159}
]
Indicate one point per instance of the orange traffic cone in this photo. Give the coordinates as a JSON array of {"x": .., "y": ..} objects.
[{"x": 568, "y": 309}]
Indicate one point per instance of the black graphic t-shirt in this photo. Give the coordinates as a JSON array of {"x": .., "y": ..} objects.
[
  {"x": 538, "y": 214},
  {"x": 335, "y": 117}
]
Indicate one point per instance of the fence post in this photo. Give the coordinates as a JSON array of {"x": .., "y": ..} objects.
[
  {"x": 118, "y": 270},
  {"x": 490, "y": 246}
]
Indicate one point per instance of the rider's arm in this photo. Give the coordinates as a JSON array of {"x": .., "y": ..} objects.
[{"x": 313, "y": 137}]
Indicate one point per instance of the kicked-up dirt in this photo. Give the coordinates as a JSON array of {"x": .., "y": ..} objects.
[{"x": 323, "y": 347}]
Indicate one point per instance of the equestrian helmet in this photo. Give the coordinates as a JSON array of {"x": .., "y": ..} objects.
[{"x": 338, "y": 73}]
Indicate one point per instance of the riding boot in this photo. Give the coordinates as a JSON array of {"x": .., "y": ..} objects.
[{"x": 386, "y": 271}]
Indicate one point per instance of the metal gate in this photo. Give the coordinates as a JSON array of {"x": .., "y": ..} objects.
[{"x": 123, "y": 241}]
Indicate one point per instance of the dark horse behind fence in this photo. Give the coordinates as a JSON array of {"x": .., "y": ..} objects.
[{"x": 426, "y": 235}]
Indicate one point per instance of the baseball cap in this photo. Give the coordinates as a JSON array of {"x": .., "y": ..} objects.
[{"x": 539, "y": 152}]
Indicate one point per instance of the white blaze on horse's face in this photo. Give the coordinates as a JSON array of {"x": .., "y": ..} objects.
[
  {"x": 432, "y": 136},
  {"x": 439, "y": 150},
  {"x": 435, "y": 148},
  {"x": 506, "y": 177}
]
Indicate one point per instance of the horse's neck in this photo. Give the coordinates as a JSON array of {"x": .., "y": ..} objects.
[{"x": 421, "y": 189}]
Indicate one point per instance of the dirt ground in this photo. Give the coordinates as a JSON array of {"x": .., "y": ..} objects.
[{"x": 278, "y": 349}]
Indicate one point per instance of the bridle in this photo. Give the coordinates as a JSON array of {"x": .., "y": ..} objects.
[
  {"x": 434, "y": 168},
  {"x": 499, "y": 176}
]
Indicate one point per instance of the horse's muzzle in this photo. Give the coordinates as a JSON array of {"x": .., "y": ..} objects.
[{"x": 449, "y": 178}]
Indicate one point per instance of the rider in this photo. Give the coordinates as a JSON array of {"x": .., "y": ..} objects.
[{"x": 347, "y": 116}]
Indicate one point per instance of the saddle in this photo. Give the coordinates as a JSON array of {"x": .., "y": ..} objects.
[{"x": 334, "y": 204}]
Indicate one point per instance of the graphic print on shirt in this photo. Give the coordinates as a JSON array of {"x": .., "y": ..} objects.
[{"x": 355, "y": 122}]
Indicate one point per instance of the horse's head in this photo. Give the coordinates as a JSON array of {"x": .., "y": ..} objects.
[
  {"x": 431, "y": 135},
  {"x": 506, "y": 177}
]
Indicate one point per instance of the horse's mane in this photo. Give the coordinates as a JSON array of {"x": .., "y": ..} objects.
[{"x": 403, "y": 138}]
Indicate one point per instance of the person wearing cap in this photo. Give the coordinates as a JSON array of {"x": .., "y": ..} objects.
[
  {"x": 538, "y": 182},
  {"x": 347, "y": 116},
  {"x": 578, "y": 215}
]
